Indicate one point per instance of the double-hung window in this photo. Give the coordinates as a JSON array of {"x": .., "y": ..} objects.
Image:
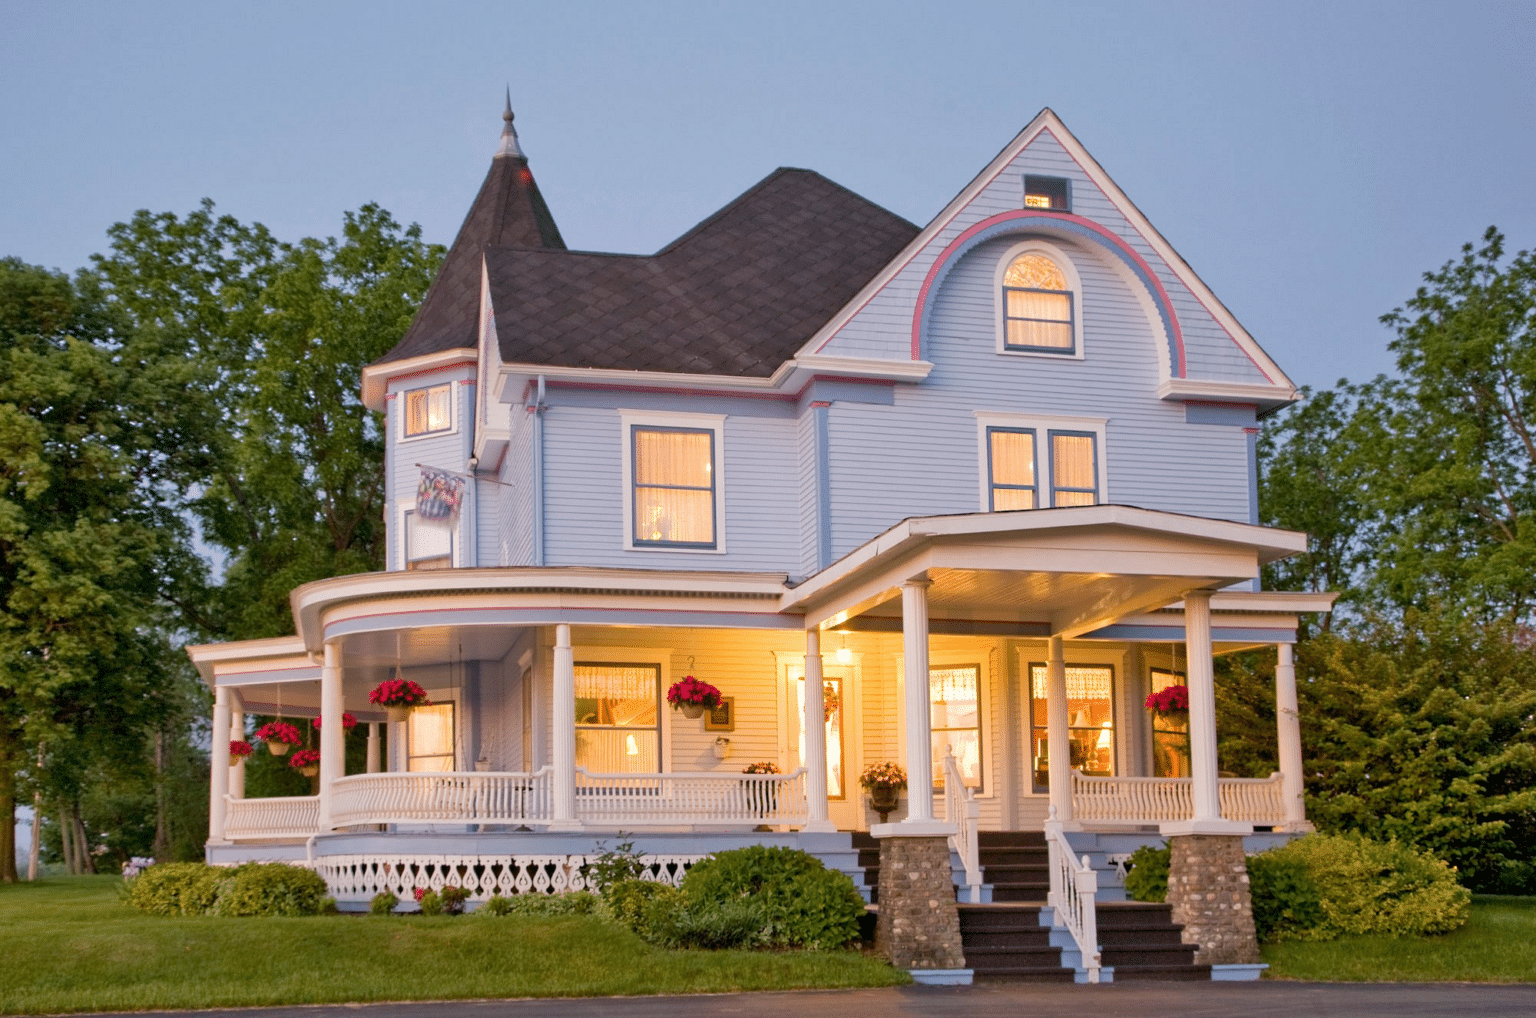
[
  {"x": 954, "y": 699},
  {"x": 618, "y": 715},
  {"x": 1040, "y": 463},
  {"x": 1090, "y": 720},
  {"x": 673, "y": 481},
  {"x": 428, "y": 410}
]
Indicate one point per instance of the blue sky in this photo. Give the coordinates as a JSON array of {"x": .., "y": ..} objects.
[{"x": 1310, "y": 160}]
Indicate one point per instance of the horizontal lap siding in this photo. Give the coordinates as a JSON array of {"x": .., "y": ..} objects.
[
  {"x": 447, "y": 452},
  {"x": 518, "y": 492},
  {"x": 810, "y": 510},
  {"x": 583, "y": 471}
]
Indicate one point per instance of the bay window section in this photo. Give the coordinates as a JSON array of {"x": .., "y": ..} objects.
[
  {"x": 618, "y": 712},
  {"x": 1090, "y": 721},
  {"x": 954, "y": 704},
  {"x": 674, "y": 486},
  {"x": 834, "y": 693},
  {"x": 428, "y": 410}
]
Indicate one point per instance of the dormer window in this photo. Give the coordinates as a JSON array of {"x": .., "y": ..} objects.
[
  {"x": 1053, "y": 193},
  {"x": 428, "y": 410},
  {"x": 1037, "y": 306}
]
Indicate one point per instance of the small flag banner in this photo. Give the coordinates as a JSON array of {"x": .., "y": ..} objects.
[{"x": 438, "y": 496}]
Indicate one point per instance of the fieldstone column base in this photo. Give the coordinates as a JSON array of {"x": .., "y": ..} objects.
[
  {"x": 1208, "y": 889},
  {"x": 919, "y": 922}
]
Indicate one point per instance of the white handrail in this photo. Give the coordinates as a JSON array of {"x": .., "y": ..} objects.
[
  {"x": 962, "y": 810},
  {"x": 1073, "y": 887},
  {"x": 288, "y": 816},
  {"x": 470, "y": 797},
  {"x": 1118, "y": 800},
  {"x": 691, "y": 798}
]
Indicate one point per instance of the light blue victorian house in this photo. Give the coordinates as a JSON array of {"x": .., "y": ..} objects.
[{"x": 990, "y": 482}]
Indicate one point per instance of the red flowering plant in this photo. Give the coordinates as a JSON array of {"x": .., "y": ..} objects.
[
  {"x": 690, "y": 692},
  {"x": 396, "y": 693},
  {"x": 1171, "y": 700},
  {"x": 239, "y": 749},
  {"x": 348, "y": 722},
  {"x": 280, "y": 732},
  {"x": 304, "y": 758}
]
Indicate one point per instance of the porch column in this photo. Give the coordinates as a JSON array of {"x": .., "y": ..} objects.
[
  {"x": 563, "y": 713},
  {"x": 914, "y": 645},
  {"x": 1288, "y": 733},
  {"x": 332, "y": 735},
  {"x": 236, "y": 734},
  {"x": 1205, "y": 790},
  {"x": 815, "y": 737},
  {"x": 218, "y": 785},
  {"x": 373, "y": 747},
  {"x": 1058, "y": 740}
]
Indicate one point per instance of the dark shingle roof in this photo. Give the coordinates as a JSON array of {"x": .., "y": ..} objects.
[
  {"x": 508, "y": 210},
  {"x": 736, "y": 295}
]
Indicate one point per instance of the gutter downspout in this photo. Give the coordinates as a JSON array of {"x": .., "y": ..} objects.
[{"x": 538, "y": 476}]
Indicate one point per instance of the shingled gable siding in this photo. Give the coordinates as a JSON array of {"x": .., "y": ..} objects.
[
  {"x": 919, "y": 457},
  {"x": 883, "y": 328},
  {"x": 449, "y": 451},
  {"x": 583, "y": 471}
]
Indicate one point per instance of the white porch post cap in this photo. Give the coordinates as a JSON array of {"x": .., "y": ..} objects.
[
  {"x": 914, "y": 829},
  {"x": 1173, "y": 828}
]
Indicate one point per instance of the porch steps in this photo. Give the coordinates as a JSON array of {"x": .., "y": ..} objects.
[
  {"x": 1016, "y": 864},
  {"x": 1141, "y": 941},
  {"x": 1006, "y": 942}
]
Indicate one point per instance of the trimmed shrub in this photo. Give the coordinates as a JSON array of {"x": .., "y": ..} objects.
[
  {"x": 628, "y": 900},
  {"x": 453, "y": 898},
  {"x": 383, "y": 903},
  {"x": 1286, "y": 904},
  {"x": 1146, "y": 876},
  {"x": 430, "y": 902},
  {"x": 1365, "y": 886},
  {"x": 271, "y": 889},
  {"x": 176, "y": 888},
  {"x": 569, "y": 903},
  {"x": 803, "y": 903}
]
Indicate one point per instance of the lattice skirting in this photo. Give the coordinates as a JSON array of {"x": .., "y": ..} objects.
[{"x": 360, "y": 877}]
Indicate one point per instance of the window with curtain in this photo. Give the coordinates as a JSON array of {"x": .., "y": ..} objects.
[
  {"x": 954, "y": 704},
  {"x": 1074, "y": 468},
  {"x": 1170, "y": 736},
  {"x": 429, "y": 738},
  {"x": 834, "y": 689},
  {"x": 673, "y": 470},
  {"x": 1011, "y": 462},
  {"x": 428, "y": 410},
  {"x": 1037, "y": 306},
  {"x": 618, "y": 712},
  {"x": 1090, "y": 720}
]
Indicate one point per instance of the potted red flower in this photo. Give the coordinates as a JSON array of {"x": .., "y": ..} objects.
[
  {"x": 279, "y": 736},
  {"x": 397, "y": 697},
  {"x": 1170, "y": 703},
  {"x": 306, "y": 762},
  {"x": 239, "y": 749},
  {"x": 693, "y": 697},
  {"x": 348, "y": 722}
]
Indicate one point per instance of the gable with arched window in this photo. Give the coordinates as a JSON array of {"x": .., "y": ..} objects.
[{"x": 1038, "y": 302}]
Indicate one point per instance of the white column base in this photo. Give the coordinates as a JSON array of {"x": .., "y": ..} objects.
[
  {"x": 565, "y": 825},
  {"x": 819, "y": 827},
  {"x": 914, "y": 829},
  {"x": 1173, "y": 828}
]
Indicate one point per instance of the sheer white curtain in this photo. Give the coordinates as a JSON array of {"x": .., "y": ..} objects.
[
  {"x": 674, "y": 486},
  {"x": 1073, "y": 473},
  {"x": 617, "y": 715},
  {"x": 1013, "y": 469}
]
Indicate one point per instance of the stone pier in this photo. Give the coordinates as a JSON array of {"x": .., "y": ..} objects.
[
  {"x": 1208, "y": 889},
  {"x": 919, "y": 923}
]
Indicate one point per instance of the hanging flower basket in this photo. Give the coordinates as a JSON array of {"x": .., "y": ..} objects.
[
  {"x": 279, "y": 736},
  {"x": 348, "y": 722},
  {"x": 306, "y": 762},
  {"x": 1170, "y": 703},
  {"x": 239, "y": 749},
  {"x": 693, "y": 697},
  {"x": 397, "y": 697}
]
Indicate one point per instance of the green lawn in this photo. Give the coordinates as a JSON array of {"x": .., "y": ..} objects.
[
  {"x": 1498, "y": 945},
  {"x": 70, "y": 945}
]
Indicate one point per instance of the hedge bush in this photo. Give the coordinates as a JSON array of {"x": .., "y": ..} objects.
[
  {"x": 569, "y": 903},
  {"x": 176, "y": 888},
  {"x": 667, "y": 917},
  {"x": 1286, "y": 902},
  {"x": 383, "y": 903},
  {"x": 271, "y": 889},
  {"x": 803, "y": 903},
  {"x": 1146, "y": 876}
]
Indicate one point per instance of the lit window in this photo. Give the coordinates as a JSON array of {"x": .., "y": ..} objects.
[
  {"x": 1047, "y": 193},
  {"x": 1090, "y": 721},
  {"x": 428, "y": 410},
  {"x": 1170, "y": 736},
  {"x": 1013, "y": 469},
  {"x": 1011, "y": 453},
  {"x": 618, "y": 707},
  {"x": 429, "y": 738},
  {"x": 1037, "y": 306},
  {"x": 674, "y": 486},
  {"x": 1074, "y": 472},
  {"x": 954, "y": 702}
]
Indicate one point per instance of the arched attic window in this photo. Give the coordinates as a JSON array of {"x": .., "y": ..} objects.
[{"x": 1037, "y": 306}]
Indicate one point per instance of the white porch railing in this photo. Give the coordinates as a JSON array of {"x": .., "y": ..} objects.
[
  {"x": 962, "y": 810},
  {"x": 294, "y": 816},
  {"x": 442, "y": 796},
  {"x": 690, "y": 799},
  {"x": 1073, "y": 886},
  {"x": 1101, "y": 800}
]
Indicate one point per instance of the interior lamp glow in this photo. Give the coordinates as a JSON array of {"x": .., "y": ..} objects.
[{"x": 844, "y": 655}]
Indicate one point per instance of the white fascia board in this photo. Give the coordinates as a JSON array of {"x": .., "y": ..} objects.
[
  {"x": 864, "y": 367},
  {"x": 1265, "y": 397},
  {"x": 1288, "y": 602},
  {"x": 376, "y": 377},
  {"x": 209, "y": 656},
  {"x": 786, "y": 380}
]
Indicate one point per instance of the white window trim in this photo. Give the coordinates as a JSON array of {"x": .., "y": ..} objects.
[
  {"x": 629, "y": 419},
  {"x": 408, "y": 511},
  {"x": 1074, "y": 283},
  {"x": 403, "y": 396},
  {"x": 1042, "y": 425},
  {"x": 954, "y": 659},
  {"x": 650, "y": 657}
]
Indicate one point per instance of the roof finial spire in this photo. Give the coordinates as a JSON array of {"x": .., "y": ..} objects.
[{"x": 509, "y": 145}]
